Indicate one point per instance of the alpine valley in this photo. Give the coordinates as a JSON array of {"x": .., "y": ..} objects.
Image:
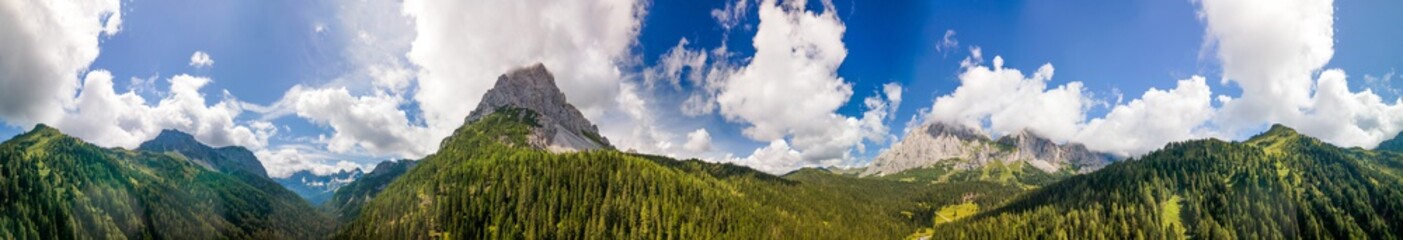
[{"x": 526, "y": 164}]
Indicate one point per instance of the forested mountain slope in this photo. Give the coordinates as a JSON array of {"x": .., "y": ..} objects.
[
  {"x": 53, "y": 186},
  {"x": 345, "y": 205},
  {"x": 1277, "y": 185}
]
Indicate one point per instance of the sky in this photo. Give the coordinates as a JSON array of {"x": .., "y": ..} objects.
[{"x": 325, "y": 85}]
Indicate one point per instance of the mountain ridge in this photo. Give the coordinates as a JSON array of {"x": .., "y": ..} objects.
[
  {"x": 935, "y": 142},
  {"x": 224, "y": 159},
  {"x": 317, "y": 189}
]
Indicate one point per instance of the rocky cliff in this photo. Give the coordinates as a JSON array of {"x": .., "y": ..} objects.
[
  {"x": 561, "y": 127},
  {"x": 935, "y": 142}
]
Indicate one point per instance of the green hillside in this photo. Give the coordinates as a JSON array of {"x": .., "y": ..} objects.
[
  {"x": 1278, "y": 185},
  {"x": 58, "y": 187},
  {"x": 1019, "y": 174},
  {"x": 483, "y": 184}
]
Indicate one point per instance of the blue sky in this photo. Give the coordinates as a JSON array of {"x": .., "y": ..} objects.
[{"x": 1117, "y": 50}]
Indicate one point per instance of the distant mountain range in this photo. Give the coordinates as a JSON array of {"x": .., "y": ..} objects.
[
  {"x": 348, "y": 200},
  {"x": 968, "y": 148},
  {"x": 318, "y": 188}
]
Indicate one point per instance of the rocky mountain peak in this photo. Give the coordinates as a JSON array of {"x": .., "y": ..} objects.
[
  {"x": 225, "y": 159},
  {"x": 561, "y": 126},
  {"x": 173, "y": 136},
  {"x": 936, "y": 142},
  {"x": 953, "y": 130}
]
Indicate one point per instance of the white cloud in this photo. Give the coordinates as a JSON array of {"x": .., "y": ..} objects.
[
  {"x": 370, "y": 123},
  {"x": 462, "y": 46},
  {"x": 47, "y": 45},
  {"x": 1010, "y": 101},
  {"x": 789, "y": 91},
  {"x": 698, "y": 141},
  {"x": 201, "y": 60},
  {"x": 283, "y": 161},
  {"x": 1272, "y": 49},
  {"x": 1157, "y": 118},
  {"x": 104, "y": 117},
  {"x": 778, "y": 158}
]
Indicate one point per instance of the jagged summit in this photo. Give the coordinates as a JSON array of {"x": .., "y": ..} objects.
[
  {"x": 1048, "y": 155},
  {"x": 561, "y": 126},
  {"x": 224, "y": 159},
  {"x": 935, "y": 142}
]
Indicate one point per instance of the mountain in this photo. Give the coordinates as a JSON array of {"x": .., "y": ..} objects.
[
  {"x": 964, "y": 148},
  {"x": 225, "y": 159},
  {"x": 318, "y": 188},
  {"x": 487, "y": 182},
  {"x": 1395, "y": 144},
  {"x": 348, "y": 200},
  {"x": 559, "y": 126},
  {"x": 1277, "y": 185},
  {"x": 59, "y": 187}
]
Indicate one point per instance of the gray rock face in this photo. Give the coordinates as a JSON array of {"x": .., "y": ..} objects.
[
  {"x": 936, "y": 142},
  {"x": 1049, "y": 156},
  {"x": 563, "y": 128}
]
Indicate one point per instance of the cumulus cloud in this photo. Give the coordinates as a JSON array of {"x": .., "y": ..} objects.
[
  {"x": 46, "y": 48},
  {"x": 778, "y": 158},
  {"x": 283, "y": 161},
  {"x": 698, "y": 141},
  {"x": 372, "y": 123},
  {"x": 104, "y": 117},
  {"x": 201, "y": 60},
  {"x": 1011, "y": 101},
  {"x": 788, "y": 92},
  {"x": 1155, "y": 119},
  {"x": 1273, "y": 51}
]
